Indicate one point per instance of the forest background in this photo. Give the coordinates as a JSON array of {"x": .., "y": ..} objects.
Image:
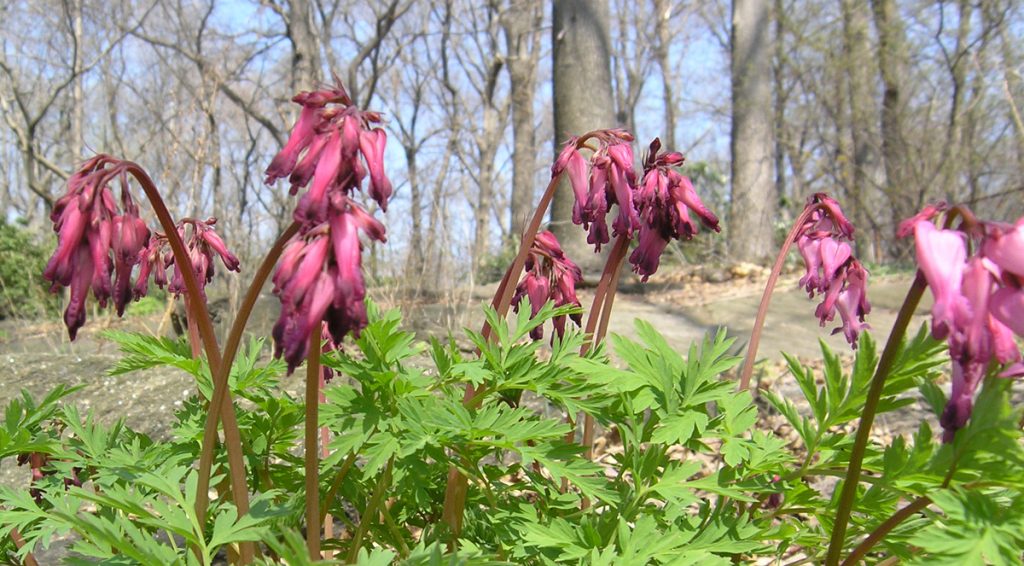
[{"x": 885, "y": 105}]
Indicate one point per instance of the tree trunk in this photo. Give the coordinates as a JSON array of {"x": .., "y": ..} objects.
[
  {"x": 779, "y": 67},
  {"x": 77, "y": 96},
  {"x": 861, "y": 98},
  {"x": 753, "y": 193},
  {"x": 582, "y": 100},
  {"x": 520, "y": 21},
  {"x": 487, "y": 140},
  {"x": 414, "y": 262},
  {"x": 306, "y": 74},
  {"x": 951, "y": 163},
  {"x": 892, "y": 63},
  {"x": 662, "y": 17},
  {"x": 488, "y": 147}
]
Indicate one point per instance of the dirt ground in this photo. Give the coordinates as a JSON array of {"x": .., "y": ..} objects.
[
  {"x": 682, "y": 305},
  {"x": 37, "y": 356}
]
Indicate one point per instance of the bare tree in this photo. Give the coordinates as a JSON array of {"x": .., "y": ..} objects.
[
  {"x": 863, "y": 129},
  {"x": 582, "y": 96},
  {"x": 521, "y": 22},
  {"x": 753, "y": 194}
]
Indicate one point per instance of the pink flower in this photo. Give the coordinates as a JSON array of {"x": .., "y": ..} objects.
[
  {"x": 325, "y": 147},
  {"x": 612, "y": 181},
  {"x": 930, "y": 211},
  {"x": 852, "y": 303},
  {"x": 319, "y": 279},
  {"x": 664, "y": 200},
  {"x": 831, "y": 269},
  {"x": 978, "y": 302},
  {"x": 91, "y": 228},
  {"x": 1007, "y": 306},
  {"x": 550, "y": 275},
  {"x": 1005, "y": 247},
  {"x": 151, "y": 262},
  {"x": 201, "y": 245},
  {"x": 570, "y": 161},
  {"x": 940, "y": 256},
  {"x": 371, "y": 144}
]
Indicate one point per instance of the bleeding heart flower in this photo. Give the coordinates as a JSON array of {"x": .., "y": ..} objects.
[
  {"x": 96, "y": 239},
  {"x": 831, "y": 268},
  {"x": 978, "y": 301},
  {"x": 664, "y": 200},
  {"x": 550, "y": 276}
]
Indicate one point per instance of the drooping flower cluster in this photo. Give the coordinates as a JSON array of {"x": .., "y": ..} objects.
[
  {"x": 611, "y": 180},
  {"x": 97, "y": 238},
  {"x": 658, "y": 206},
  {"x": 324, "y": 147},
  {"x": 550, "y": 275},
  {"x": 978, "y": 301},
  {"x": 91, "y": 229},
  {"x": 832, "y": 270},
  {"x": 201, "y": 244},
  {"x": 320, "y": 276},
  {"x": 664, "y": 200}
]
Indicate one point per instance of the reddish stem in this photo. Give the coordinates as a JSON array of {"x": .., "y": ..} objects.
[
  {"x": 199, "y": 312},
  {"x": 193, "y": 332},
  {"x": 325, "y": 439},
  {"x": 312, "y": 460},
  {"x": 19, "y": 543},
  {"x": 458, "y": 485},
  {"x": 616, "y": 260},
  {"x": 848, "y": 496},
  {"x": 503, "y": 296},
  {"x": 766, "y": 297},
  {"x": 885, "y": 528}
]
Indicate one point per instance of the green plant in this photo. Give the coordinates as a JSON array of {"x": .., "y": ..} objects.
[
  {"x": 426, "y": 453},
  {"x": 23, "y": 292}
]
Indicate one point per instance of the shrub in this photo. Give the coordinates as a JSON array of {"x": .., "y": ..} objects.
[{"x": 23, "y": 292}]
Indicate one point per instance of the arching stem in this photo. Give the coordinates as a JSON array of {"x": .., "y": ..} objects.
[
  {"x": 892, "y": 347},
  {"x": 220, "y": 375},
  {"x": 199, "y": 312},
  {"x": 598, "y": 319},
  {"x": 19, "y": 543},
  {"x": 766, "y": 297},
  {"x": 879, "y": 533}
]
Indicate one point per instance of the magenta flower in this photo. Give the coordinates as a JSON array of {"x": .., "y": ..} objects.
[
  {"x": 91, "y": 230},
  {"x": 570, "y": 161},
  {"x": 664, "y": 200},
  {"x": 1005, "y": 247},
  {"x": 550, "y": 275},
  {"x": 941, "y": 256},
  {"x": 978, "y": 302},
  {"x": 831, "y": 268},
  {"x": 332, "y": 149},
  {"x": 319, "y": 278},
  {"x": 325, "y": 147},
  {"x": 612, "y": 181},
  {"x": 151, "y": 261},
  {"x": 201, "y": 245}
]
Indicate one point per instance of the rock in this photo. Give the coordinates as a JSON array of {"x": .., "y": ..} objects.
[
  {"x": 717, "y": 275},
  {"x": 744, "y": 270}
]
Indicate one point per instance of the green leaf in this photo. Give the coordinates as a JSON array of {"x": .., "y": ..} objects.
[{"x": 680, "y": 428}]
